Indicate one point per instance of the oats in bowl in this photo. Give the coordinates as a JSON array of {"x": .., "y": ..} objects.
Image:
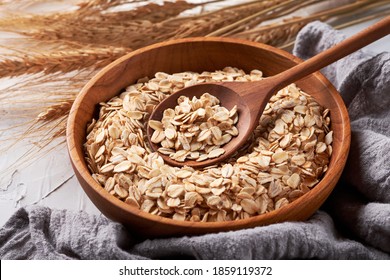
[{"x": 286, "y": 156}]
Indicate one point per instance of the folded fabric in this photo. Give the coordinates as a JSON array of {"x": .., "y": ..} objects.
[{"x": 354, "y": 223}]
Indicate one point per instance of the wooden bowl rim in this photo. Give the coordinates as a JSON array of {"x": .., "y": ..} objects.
[{"x": 110, "y": 199}]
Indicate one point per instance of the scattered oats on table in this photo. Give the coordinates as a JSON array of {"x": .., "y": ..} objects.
[
  {"x": 195, "y": 129},
  {"x": 286, "y": 156}
]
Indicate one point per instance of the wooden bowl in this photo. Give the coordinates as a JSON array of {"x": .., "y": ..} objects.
[{"x": 200, "y": 54}]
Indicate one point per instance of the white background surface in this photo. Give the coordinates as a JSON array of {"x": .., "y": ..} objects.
[{"x": 50, "y": 180}]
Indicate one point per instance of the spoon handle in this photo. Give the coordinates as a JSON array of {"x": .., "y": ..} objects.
[{"x": 344, "y": 48}]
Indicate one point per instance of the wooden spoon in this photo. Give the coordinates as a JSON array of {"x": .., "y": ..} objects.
[{"x": 252, "y": 97}]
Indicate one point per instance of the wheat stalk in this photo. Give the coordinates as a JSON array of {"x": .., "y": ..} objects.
[
  {"x": 263, "y": 15},
  {"x": 55, "y": 111},
  {"x": 103, "y": 29},
  {"x": 378, "y": 14},
  {"x": 299, "y": 21},
  {"x": 58, "y": 61},
  {"x": 89, "y": 25},
  {"x": 279, "y": 33},
  {"x": 206, "y": 23},
  {"x": 48, "y": 87},
  {"x": 57, "y": 90}
]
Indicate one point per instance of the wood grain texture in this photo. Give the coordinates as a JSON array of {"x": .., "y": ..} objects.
[{"x": 200, "y": 54}]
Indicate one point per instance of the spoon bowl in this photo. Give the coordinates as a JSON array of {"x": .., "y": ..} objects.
[{"x": 229, "y": 98}]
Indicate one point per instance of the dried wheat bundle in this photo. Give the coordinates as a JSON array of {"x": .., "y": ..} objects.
[
  {"x": 89, "y": 24},
  {"x": 385, "y": 11},
  {"x": 126, "y": 29},
  {"x": 43, "y": 113},
  {"x": 252, "y": 21},
  {"x": 279, "y": 33},
  {"x": 206, "y": 23},
  {"x": 53, "y": 55}
]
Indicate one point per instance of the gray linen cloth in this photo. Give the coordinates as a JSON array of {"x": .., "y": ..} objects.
[{"x": 354, "y": 223}]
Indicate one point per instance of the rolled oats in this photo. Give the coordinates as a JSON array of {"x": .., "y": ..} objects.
[
  {"x": 286, "y": 156},
  {"x": 195, "y": 129}
]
